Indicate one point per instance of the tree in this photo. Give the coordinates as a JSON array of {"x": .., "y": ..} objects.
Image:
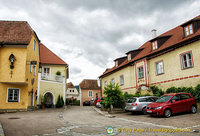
[
  {"x": 114, "y": 96},
  {"x": 59, "y": 102}
]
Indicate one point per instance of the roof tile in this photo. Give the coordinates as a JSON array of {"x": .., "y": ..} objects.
[{"x": 48, "y": 57}]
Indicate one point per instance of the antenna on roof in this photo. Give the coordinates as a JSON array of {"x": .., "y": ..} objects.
[{"x": 153, "y": 33}]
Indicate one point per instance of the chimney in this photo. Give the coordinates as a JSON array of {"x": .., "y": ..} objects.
[{"x": 153, "y": 33}]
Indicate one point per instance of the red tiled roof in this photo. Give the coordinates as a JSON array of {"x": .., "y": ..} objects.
[
  {"x": 89, "y": 84},
  {"x": 15, "y": 32},
  {"x": 70, "y": 85},
  {"x": 176, "y": 36},
  {"x": 48, "y": 57}
]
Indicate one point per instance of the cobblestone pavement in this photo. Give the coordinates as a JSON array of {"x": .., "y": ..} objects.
[{"x": 83, "y": 121}]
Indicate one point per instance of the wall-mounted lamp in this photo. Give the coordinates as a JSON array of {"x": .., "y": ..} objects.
[{"x": 12, "y": 59}]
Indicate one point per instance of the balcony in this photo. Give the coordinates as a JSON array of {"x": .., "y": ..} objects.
[{"x": 52, "y": 77}]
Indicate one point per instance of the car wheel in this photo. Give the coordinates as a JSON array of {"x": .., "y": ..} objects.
[
  {"x": 144, "y": 111},
  {"x": 193, "y": 109},
  {"x": 167, "y": 113}
]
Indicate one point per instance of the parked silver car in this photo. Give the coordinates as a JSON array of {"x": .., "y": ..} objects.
[{"x": 139, "y": 104}]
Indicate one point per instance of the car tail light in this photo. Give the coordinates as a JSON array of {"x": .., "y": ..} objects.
[{"x": 134, "y": 104}]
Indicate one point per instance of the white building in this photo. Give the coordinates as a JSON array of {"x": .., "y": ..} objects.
[{"x": 72, "y": 91}]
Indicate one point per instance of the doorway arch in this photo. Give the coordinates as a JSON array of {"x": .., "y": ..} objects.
[{"x": 49, "y": 99}]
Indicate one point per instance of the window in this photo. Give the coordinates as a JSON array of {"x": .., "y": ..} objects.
[
  {"x": 184, "y": 96},
  {"x": 188, "y": 30},
  {"x": 140, "y": 72},
  {"x": 90, "y": 93},
  {"x": 13, "y": 95},
  {"x": 159, "y": 68},
  {"x": 46, "y": 71},
  {"x": 34, "y": 70},
  {"x": 105, "y": 84},
  {"x": 30, "y": 68},
  {"x": 113, "y": 81},
  {"x": 116, "y": 63},
  {"x": 34, "y": 45},
  {"x": 176, "y": 98},
  {"x": 154, "y": 45},
  {"x": 144, "y": 100},
  {"x": 121, "y": 80},
  {"x": 186, "y": 59},
  {"x": 129, "y": 56}
]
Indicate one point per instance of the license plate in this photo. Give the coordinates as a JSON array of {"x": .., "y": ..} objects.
[{"x": 149, "y": 111}]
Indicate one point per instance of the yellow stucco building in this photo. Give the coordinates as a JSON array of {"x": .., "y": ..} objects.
[
  {"x": 52, "y": 77},
  {"x": 170, "y": 59},
  {"x": 19, "y": 63}
]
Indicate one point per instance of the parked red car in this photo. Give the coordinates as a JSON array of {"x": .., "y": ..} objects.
[
  {"x": 98, "y": 100},
  {"x": 169, "y": 104}
]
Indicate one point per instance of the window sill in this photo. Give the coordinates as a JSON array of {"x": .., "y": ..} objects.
[
  {"x": 187, "y": 68},
  {"x": 160, "y": 74}
]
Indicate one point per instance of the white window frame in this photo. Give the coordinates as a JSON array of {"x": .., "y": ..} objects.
[
  {"x": 140, "y": 72},
  {"x": 129, "y": 56},
  {"x": 31, "y": 69},
  {"x": 116, "y": 63},
  {"x": 46, "y": 73},
  {"x": 121, "y": 80},
  {"x": 90, "y": 93},
  {"x": 188, "y": 63},
  {"x": 159, "y": 68},
  {"x": 34, "y": 44},
  {"x": 112, "y": 81},
  {"x": 13, "y": 94},
  {"x": 188, "y": 30},
  {"x": 154, "y": 45},
  {"x": 105, "y": 83}
]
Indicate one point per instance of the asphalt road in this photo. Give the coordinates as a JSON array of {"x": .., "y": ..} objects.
[{"x": 86, "y": 121}]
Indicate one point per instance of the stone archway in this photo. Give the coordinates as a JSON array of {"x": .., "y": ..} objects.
[{"x": 48, "y": 100}]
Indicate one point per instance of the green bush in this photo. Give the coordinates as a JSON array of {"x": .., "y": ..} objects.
[
  {"x": 197, "y": 92},
  {"x": 126, "y": 96},
  {"x": 60, "y": 102},
  {"x": 190, "y": 90},
  {"x": 172, "y": 90},
  {"x": 156, "y": 91},
  {"x": 114, "y": 96},
  {"x": 58, "y": 73}
]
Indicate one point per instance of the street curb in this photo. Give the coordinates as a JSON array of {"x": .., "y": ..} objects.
[
  {"x": 106, "y": 114},
  {"x": 1, "y": 130}
]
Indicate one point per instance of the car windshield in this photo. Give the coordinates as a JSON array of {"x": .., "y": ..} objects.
[
  {"x": 164, "y": 98},
  {"x": 131, "y": 100}
]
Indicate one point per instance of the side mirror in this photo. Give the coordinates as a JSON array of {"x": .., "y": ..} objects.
[{"x": 173, "y": 101}]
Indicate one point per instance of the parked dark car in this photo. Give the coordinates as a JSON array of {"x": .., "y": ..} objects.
[
  {"x": 86, "y": 103},
  {"x": 139, "y": 104},
  {"x": 169, "y": 104}
]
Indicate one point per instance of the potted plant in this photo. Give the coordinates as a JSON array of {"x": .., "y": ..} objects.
[
  {"x": 58, "y": 74},
  {"x": 42, "y": 100}
]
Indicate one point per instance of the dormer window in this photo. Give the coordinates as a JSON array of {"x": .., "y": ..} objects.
[
  {"x": 129, "y": 56},
  {"x": 116, "y": 63},
  {"x": 154, "y": 45},
  {"x": 188, "y": 30}
]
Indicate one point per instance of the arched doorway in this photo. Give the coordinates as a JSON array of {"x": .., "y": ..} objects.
[{"x": 48, "y": 100}]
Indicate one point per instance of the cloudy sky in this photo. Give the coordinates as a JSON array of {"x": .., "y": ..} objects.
[{"x": 90, "y": 34}]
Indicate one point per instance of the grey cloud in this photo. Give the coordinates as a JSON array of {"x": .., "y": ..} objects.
[{"x": 97, "y": 30}]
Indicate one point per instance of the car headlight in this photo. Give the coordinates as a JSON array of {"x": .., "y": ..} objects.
[{"x": 158, "y": 108}]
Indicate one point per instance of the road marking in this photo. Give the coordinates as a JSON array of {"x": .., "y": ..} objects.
[{"x": 147, "y": 123}]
